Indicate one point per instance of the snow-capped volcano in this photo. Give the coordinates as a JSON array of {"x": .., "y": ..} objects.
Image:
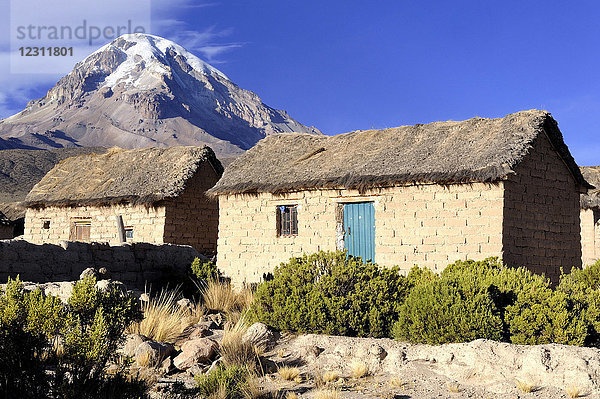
[{"x": 142, "y": 90}]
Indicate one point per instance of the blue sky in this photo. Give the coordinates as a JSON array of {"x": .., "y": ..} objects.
[{"x": 345, "y": 65}]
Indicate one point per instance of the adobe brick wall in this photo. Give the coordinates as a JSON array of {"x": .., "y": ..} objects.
[
  {"x": 590, "y": 236},
  {"x": 541, "y": 214},
  {"x": 428, "y": 225},
  {"x": 148, "y": 223},
  {"x": 137, "y": 265},
  {"x": 193, "y": 218}
]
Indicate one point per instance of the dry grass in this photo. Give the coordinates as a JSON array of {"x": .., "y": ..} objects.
[
  {"x": 573, "y": 391},
  {"x": 222, "y": 297},
  {"x": 397, "y": 382},
  {"x": 281, "y": 353},
  {"x": 525, "y": 386},
  {"x": 327, "y": 394},
  {"x": 453, "y": 387},
  {"x": 144, "y": 359},
  {"x": 291, "y": 395},
  {"x": 237, "y": 351},
  {"x": 288, "y": 373},
  {"x": 330, "y": 376},
  {"x": 358, "y": 369},
  {"x": 164, "y": 319}
]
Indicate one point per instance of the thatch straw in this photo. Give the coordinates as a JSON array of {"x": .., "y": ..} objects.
[
  {"x": 13, "y": 210},
  {"x": 141, "y": 176},
  {"x": 475, "y": 150},
  {"x": 592, "y": 198}
]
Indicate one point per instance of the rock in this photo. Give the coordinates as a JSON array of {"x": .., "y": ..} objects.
[
  {"x": 107, "y": 285},
  {"x": 167, "y": 365},
  {"x": 208, "y": 324},
  {"x": 89, "y": 272},
  {"x": 192, "y": 332},
  {"x": 311, "y": 351},
  {"x": 103, "y": 272},
  {"x": 184, "y": 303},
  {"x": 216, "y": 318},
  {"x": 200, "y": 350},
  {"x": 152, "y": 353},
  {"x": 132, "y": 341},
  {"x": 260, "y": 336}
]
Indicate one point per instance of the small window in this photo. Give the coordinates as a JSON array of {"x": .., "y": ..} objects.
[
  {"x": 46, "y": 225},
  {"x": 81, "y": 230},
  {"x": 287, "y": 220},
  {"x": 129, "y": 233}
]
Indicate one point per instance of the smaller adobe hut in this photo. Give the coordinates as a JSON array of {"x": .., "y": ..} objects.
[
  {"x": 426, "y": 194},
  {"x": 6, "y": 228},
  {"x": 154, "y": 195},
  {"x": 590, "y": 217}
]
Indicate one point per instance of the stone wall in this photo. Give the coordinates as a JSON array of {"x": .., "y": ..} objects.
[
  {"x": 147, "y": 223},
  {"x": 541, "y": 213},
  {"x": 590, "y": 237},
  {"x": 138, "y": 265},
  {"x": 193, "y": 218},
  {"x": 428, "y": 225}
]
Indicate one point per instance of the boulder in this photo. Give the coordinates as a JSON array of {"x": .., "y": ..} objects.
[
  {"x": 261, "y": 336},
  {"x": 216, "y": 318},
  {"x": 192, "y": 332},
  {"x": 152, "y": 353},
  {"x": 167, "y": 366},
  {"x": 89, "y": 272},
  {"x": 200, "y": 350},
  {"x": 132, "y": 341}
]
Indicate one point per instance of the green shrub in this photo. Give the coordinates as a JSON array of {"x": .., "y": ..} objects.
[
  {"x": 440, "y": 310},
  {"x": 231, "y": 382},
  {"x": 89, "y": 328},
  {"x": 331, "y": 293},
  {"x": 205, "y": 271},
  {"x": 542, "y": 315}
]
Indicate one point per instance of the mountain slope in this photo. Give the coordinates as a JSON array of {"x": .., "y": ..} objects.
[{"x": 142, "y": 90}]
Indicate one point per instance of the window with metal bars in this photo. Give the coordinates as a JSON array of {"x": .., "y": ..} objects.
[{"x": 287, "y": 220}]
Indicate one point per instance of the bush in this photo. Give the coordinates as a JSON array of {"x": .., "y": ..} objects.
[
  {"x": 227, "y": 382},
  {"x": 440, "y": 310},
  {"x": 205, "y": 271},
  {"x": 331, "y": 293},
  {"x": 89, "y": 327},
  {"x": 542, "y": 315}
]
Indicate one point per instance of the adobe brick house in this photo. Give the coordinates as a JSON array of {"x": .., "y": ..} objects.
[
  {"x": 154, "y": 195},
  {"x": 6, "y": 228},
  {"x": 424, "y": 194},
  {"x": 590, "y": 217}
]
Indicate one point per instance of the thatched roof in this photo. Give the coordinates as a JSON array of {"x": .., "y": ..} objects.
[
  {"x": 141, "y": 176},
  {"x": 592, "y": 198},
  {"x": 475, "y": 150},
  {"x": 13, "y": 210}
]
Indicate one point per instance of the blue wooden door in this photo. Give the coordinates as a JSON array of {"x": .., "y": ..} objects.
[{"x": 359, "y": 225}]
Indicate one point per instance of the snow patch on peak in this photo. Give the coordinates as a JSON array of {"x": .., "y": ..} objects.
[{"x": 146, "y": 56}]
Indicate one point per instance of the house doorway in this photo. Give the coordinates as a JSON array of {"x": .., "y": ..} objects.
[{"x": 359, "y": 230}]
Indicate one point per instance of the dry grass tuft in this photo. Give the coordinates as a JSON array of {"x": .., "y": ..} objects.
[
  {"x": 144, "y": 359},
  {"x": 453, "y": 387},
  {"x": 288, "y": 373},
  {"x": 327, "y": 394},
  {"x": 164, "y": 319},
  {"x": 358, "y": 369},
  {"x": 222, "y": 297},
  {"x": 397, "y": 382},
  {"x": 291, "y": 395},
  {"x": 573, "y": 391},
  {"x": 330, "y": 376},
  {"x": 237, "y": 351},
  {"x": 525, "y": 386}
]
